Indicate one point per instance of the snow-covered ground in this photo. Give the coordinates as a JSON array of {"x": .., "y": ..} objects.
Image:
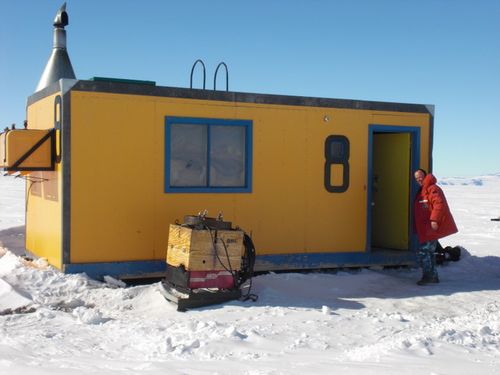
[{"x": 359, "y": 322}]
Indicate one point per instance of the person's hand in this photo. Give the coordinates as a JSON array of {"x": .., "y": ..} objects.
[{"x": 434, "y": 225}]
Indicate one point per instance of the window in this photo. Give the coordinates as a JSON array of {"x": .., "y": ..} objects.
[
  {"x": 336, "y": 153},
  {"x": 207, "y": 155}
]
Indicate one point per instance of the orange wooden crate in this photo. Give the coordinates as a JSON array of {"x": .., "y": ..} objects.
[{"x": 194, "y": 249}]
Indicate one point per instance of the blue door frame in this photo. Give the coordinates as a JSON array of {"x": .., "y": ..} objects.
[{"x": 414, "y": 164}]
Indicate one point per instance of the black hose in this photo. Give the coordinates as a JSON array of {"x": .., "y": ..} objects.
[
  {"x": 230, "y": 270},
  {"x": 246, "y": 272}
]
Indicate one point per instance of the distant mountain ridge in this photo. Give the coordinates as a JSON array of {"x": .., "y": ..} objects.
[{"x": 475, "y": 181}]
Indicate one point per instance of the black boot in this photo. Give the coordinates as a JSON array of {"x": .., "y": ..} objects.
[{"x": 426, "y": 279}]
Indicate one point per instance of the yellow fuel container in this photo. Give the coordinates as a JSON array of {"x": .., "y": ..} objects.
[{"x": 27, "y": 150}]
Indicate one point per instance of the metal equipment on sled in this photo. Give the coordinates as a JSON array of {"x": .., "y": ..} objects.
[{"x": 208, "y": 262}]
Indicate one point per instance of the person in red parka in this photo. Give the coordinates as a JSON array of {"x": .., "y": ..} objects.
[{"x": 433, "y": 220}]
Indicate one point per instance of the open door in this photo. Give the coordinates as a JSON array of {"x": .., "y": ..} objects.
[{"x": 390, "y": 190}]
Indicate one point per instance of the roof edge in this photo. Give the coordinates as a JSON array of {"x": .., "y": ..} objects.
[{"x": 131, "y": 88}]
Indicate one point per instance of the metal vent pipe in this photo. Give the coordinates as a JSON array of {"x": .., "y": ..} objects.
[{"x": 59, "y": 64}]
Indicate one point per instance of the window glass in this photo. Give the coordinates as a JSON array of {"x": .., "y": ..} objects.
[
  {"x": 337, "y": 150},
  {"x": 227, "y": 156},
  {"x": 188, "y": 155},
  {"x": 208, "y": 155}
]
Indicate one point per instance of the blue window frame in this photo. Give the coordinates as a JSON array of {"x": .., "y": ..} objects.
[{"x": 208, "y": 155}]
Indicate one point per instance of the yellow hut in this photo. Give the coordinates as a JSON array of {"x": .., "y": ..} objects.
[{"x": 317, "y": 183}]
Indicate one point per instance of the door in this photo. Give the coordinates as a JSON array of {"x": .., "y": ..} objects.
[{"x": 390, "y": 204}]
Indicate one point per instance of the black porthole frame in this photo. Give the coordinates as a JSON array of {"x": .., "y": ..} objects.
[{"x": 342, "y": 159}]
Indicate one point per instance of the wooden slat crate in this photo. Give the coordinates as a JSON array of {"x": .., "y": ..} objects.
[{"x": 194, "y": 249}]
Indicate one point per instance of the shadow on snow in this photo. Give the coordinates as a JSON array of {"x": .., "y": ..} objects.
[{"x": 13, "y": 239}]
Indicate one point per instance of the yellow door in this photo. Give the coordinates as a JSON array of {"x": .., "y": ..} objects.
[{"x": 390, "y": 190}]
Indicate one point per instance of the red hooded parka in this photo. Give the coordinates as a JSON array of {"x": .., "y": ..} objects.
[{"x": 430, "y": 205}]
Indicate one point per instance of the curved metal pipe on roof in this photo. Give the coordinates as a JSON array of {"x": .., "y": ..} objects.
[
  {"x": 227, "y": 75},
  {"x": 192, "y": 70}
]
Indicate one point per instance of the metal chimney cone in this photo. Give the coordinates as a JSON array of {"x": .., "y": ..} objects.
[{"x": 59, "y": 64}]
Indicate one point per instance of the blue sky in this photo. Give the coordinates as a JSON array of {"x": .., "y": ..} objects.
[{"x": 441, "y": 52}]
